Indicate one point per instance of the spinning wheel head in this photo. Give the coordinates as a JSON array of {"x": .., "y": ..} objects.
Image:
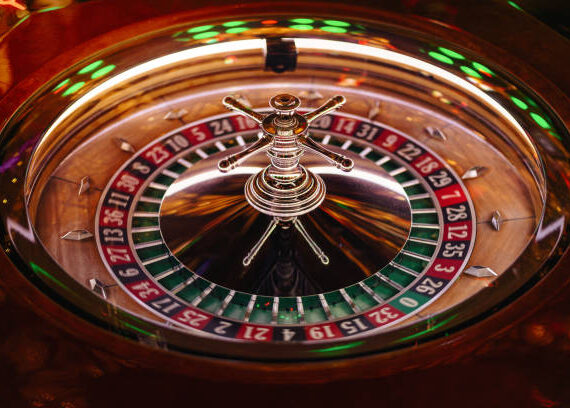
[
  {"x": 285, "y": 104},
  {"x": 285, "y": 188}
]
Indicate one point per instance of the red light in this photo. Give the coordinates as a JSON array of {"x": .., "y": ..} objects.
[
  {"x": 269, "y": 22},
  {"x": 61, "y": 88},
  {"x": 542, "y": 399},
  {"x": 566, "y": 179}
]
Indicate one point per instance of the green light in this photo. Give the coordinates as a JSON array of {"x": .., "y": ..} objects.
[
  {"x": 50, "y": 9},
  {"x": 451, "y": 53},
  {"x": 236, "y": 30},
  {"x": 519, "y": 103},
  {"x": 103, "y": 71},
  {"x": 21, "y": 20},
  {"x": 176, "y": 34},
  {"x": 336, "y": 23},
  {"x": 432, "y": 328},
  {"x": 531, "y": 102},
  {"x": 62, "y": 83},
  {"x": 334, "y": 29},
  {"x": 207, "y": 34},
  {"x": 90, "y": 67},
  {"x": 543, "y": 123},
  {"x": 212, "y": 41},
  {"x": 338, "y": 348},
  {"x": 301, "y": 27},
  {"x": 482, "y": 68},
  {"x": 440, "y": 57},
  {"x": 302, "y": 20},
  {"x": 515, "y": 5},
  {"x": 199, "y": 29},
  {"x": 470, "y": 71},
  {"x": 41, "y": 271},
  {"x": 187, "y": 246},
  {"x": 233, "y": 23},
  {"x": 73, "y": 88},
  {"x": 139, "y": 329}
]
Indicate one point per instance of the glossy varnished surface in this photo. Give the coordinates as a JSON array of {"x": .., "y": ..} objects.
[
  {"x": 43, "y": 366},
  {"x": 501, "y": 187},
  {"x": 528, "y": 365}
]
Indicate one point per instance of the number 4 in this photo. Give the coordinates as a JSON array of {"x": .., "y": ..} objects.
[{"x": 287, "y": 334}]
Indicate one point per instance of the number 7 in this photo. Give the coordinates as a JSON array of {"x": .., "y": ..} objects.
[{"x": 456, "y": 194}]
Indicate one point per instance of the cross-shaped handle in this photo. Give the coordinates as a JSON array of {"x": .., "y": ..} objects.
[{"x": 286, "y": 131}]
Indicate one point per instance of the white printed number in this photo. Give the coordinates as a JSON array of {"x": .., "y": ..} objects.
[
  {"x": 383, "y": 315},
  {"x": 321, "y": 332},
  {"x": 144, "y": 290},
  {"x": 192, "y": 318},
  {"x": 118, "y": 255},
  {"x": 353, "y": 326},
  {"x": 428, "y": 286},
  {"x": 451, "y": 250},
  {"x": 256, "y": 333},
  {"x": 456, "y": 214}
]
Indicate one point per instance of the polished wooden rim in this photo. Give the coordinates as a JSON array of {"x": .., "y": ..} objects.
[{"x": 439, "y": 351}]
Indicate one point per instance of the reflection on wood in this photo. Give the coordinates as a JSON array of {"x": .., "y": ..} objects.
[
  {"x": 506, "y": 187},
  {"x": 61, "y": 210}
]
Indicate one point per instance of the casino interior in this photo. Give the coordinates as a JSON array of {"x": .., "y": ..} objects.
[{"x": 298, "y": 202}]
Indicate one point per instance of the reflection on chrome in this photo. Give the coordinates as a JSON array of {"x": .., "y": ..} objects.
[
  {"x": 361, "y": 225},
  {"x": 190, "y": 180}
]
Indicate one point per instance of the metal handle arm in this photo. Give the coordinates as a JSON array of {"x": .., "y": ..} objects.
[
  {"x": 312, "y": 244},
  {"x": 340, "y": 161},
  {"x": 330, "y": 105},
  {"x": 231, "y": 162},
  {"x": 234, "y": 104}
]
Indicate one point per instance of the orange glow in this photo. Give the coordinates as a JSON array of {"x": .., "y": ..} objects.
[
  {"x": 538, "y": 334},
  {"x": 345, "y": 80},
  {"x": 12, "y": 3},
  {"x": 386, "y": 43}
]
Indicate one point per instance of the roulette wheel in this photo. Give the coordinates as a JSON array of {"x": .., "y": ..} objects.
[{"x": 388, "y": 191}]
